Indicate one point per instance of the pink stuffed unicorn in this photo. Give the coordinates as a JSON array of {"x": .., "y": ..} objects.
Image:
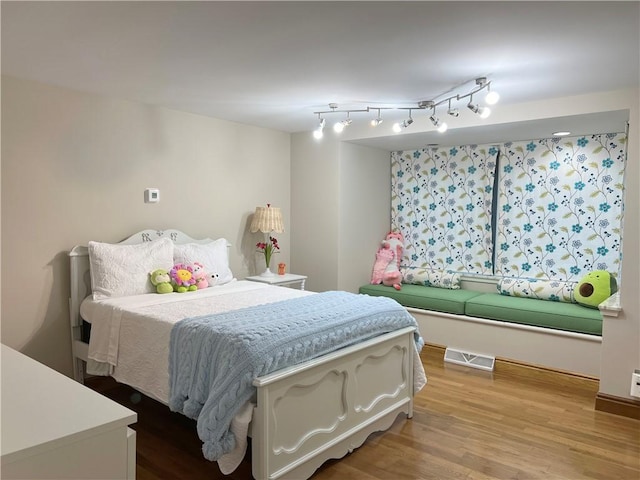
[{"x": 386, "y": 269}]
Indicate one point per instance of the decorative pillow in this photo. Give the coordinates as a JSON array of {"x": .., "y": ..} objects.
[
  {"x": 554, "y": 290},
  {"x": 594, "y": 288},
  {"x": 121, "y": 270},
  {"x": 214, "y": 256},
  {"x": 431, "y": 278}
]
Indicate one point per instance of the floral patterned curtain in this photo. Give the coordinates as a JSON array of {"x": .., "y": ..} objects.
[
  {"x": 559, "y": 208},
  {"x": 557, "y": 213},
  {"x": 441, "y": 201}
]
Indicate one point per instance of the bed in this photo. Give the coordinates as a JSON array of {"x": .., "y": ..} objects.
[{"x": 299, "y": 415}]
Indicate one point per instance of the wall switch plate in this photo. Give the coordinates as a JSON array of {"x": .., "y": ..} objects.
[
  {"x": 151, "y": 195},
  {"x": 635, "y": 384}
]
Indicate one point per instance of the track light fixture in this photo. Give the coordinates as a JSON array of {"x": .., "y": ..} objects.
[
  {"x": 439, "y": 124},
  {"x": 454, "y": 112},
  {"x": 442, "y": 126},
  {"x": 378, "y": 120},
  {"x": 481, "y": 83},
  {"x": 484, "y": 112},
  {"x": 338, "y": 127},
  {"x": 318, "y": 132},
  {"x": 398, "y": 126},
  {"x": 491, "y": 98}
]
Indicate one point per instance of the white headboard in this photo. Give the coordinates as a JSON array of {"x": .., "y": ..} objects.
[{"x": 79, "y": 263}]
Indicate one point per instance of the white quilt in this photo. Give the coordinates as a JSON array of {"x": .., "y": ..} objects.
[{"x": 131, "y": 334}]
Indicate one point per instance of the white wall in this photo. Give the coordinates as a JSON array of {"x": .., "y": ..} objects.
[
  {"x": 74, "y": 169},
  {"x": 364, "y": 216},
  {"x": 314, "y": 234},
  {"x": 339, "y": 210}
]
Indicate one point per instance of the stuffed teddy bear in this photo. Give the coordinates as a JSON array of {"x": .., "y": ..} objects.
[
  {"x": 200, "y": 275},
  {"x": 161, "y": 280},
  {"x": 182, "y": 279},
  {"x": 386, "y": 269}
]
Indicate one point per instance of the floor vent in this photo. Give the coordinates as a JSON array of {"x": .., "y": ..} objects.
[{"x": 483, "y": 362}]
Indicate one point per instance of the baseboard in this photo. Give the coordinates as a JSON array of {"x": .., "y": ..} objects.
[
  {"x": 618, "y": 406},
  {"x": 547, "y": 374}
]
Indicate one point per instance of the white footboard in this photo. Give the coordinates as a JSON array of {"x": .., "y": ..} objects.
[{"x": 327, "y": 407}]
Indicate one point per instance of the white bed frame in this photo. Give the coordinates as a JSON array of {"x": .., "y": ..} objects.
[{"x": 306, "y": 414}]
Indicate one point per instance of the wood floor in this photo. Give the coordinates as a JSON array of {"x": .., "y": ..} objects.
[{"x": 514, "y": 423}]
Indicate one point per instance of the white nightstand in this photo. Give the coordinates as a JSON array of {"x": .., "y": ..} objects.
[{"x": 283, "y": 280}]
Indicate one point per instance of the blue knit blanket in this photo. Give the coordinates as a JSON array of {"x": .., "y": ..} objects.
[{"x": 214, "y": 359}]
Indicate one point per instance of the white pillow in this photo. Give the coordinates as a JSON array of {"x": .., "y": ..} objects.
[
  {"x": 214, "y": 256},
  {"x": 431, "y": 278},
  {"x": 121, "y": 270},
  {"x": 554, "y": 290}
]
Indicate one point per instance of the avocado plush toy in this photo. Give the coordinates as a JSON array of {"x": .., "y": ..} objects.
[
  {"x": 160, "y": 279},
  {"x": 594, "y": 288}
]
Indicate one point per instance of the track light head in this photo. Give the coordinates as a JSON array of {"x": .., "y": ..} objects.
[
  {"x": 442, "y": 126},
  {"x": 397, "y": 127},
  {"x": 483, "y": 112},
  {"x": 454, "y": 112},
  {"x": 407, "y": 122},
  {"x": 318, "y": 132},
  {"x": 376, "y": 121},
  {"x": 340, "y": 126},
  {"x": 492, "y": 98}
]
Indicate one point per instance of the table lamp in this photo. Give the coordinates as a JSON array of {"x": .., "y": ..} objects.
[{"x": 266, "y": 220}]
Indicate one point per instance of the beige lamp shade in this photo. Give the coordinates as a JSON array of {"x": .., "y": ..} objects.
[{"x": 267, "y": 219}]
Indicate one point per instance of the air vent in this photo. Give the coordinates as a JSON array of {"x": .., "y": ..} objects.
[{"x": 475, "y": 360}]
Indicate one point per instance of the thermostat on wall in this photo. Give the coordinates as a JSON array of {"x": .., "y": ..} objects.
[{"x": 151, "y": 195}]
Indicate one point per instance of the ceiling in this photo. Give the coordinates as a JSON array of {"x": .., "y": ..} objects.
[{"x": 272, "y": 64}]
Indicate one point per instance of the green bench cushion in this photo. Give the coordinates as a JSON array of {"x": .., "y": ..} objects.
[
  {"x": 426, "y": 298},
  {"x": 541, "y": 313}
]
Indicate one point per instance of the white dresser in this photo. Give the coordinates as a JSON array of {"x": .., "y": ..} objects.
[{"x": 54, "y": 427}]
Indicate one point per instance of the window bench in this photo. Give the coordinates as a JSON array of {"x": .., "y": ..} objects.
[{"x": 557, "y": 335}]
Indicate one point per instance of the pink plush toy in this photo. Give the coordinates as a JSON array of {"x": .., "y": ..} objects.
[
  {"x": 200, "y": 276},
  {"x": 386, "y": 269}
]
